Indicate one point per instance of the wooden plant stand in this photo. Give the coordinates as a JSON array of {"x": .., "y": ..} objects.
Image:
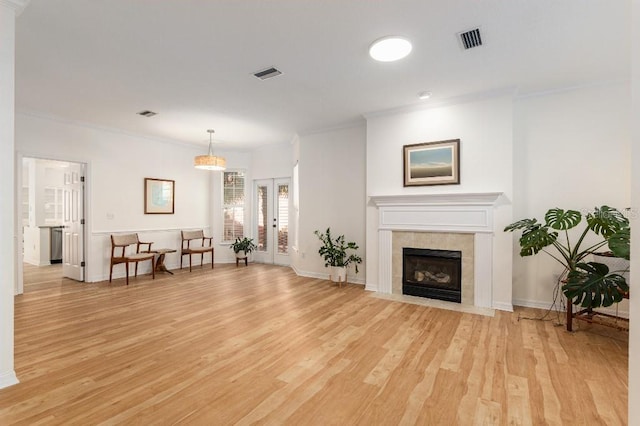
[{"x": 588, "y": 314}]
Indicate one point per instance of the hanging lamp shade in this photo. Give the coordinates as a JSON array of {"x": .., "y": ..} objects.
[{"x": 210, "y": 161}]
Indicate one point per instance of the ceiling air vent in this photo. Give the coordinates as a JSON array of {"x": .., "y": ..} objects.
[
  {"x": 147, "y": 113},
  {"x": 268, "y": 73},
  {"x": 470, "y": 39}
]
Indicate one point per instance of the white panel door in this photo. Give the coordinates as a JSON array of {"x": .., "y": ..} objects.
[
  {"x": 272, "y": 221},
  {"x": 73, "y": 221}
]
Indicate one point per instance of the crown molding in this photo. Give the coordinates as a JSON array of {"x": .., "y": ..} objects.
[
  {"x": 510, "y": 91},
  {"x": 17, "y": 5},
  {"x": 52, "y": 117},
  {"x": 590, "y": 85},
  {"x": 341, "y": 126}
]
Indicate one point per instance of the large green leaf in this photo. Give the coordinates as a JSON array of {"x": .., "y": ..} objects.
[
  {"x": 607, "y": 221},
  {"x": 562, "y": 220},
  {"x": 535, "y": 239},
  {"x": 591, "y": 285},
  {"x": 620, "y": 243},
  {"x": 521, "y": 224}
]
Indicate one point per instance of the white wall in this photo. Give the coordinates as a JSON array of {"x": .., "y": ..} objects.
[
  {"x": 571, "y": 150},
  {"x": 332, "y": 194},
  {"x": 272, "y": 161},
  {"x": 8, "y": 224},
  {"x": 117, "y": 165},
  {"x": 484, "y": 128}
]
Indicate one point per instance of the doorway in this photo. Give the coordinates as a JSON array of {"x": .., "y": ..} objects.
[
  {"x": 50, "y": 197},
  {"x": 272, "y": 220}
]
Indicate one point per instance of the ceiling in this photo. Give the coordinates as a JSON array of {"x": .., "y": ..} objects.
[{"x": 191, "y": 61}]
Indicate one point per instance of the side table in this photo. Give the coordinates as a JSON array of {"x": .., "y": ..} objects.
[{"x": 160, "y": 266}]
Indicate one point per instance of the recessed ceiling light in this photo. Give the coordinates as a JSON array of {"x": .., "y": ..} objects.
[
  {"x": 390, "y": 48},
  {"x": 424, "y": 95}
]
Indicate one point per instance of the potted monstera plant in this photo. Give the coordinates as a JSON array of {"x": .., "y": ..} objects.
[
  {"x": 586, "y": 283},
  {"x": 338, "y": 254}
]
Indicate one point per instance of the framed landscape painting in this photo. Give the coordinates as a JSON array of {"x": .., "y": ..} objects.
[
  {"x": 432, "y": 163},
  {"x": 159, "y": 196}
]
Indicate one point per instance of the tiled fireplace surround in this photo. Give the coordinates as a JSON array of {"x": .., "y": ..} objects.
[{"x": 461, "y": 222}]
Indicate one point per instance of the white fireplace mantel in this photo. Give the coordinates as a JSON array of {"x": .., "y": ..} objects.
[
  {"x": 474, "y": 198},
  {"x": 457, "y": 213}
]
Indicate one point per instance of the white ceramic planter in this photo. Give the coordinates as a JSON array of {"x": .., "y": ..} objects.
[
  {"x": 241, "y": 254},
  {"x": 338, "y": 274}
]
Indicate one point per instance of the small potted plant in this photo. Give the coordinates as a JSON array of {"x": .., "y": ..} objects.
[
  {"x": 242, "y": 247},
  {"x": 335, "y": 255}
]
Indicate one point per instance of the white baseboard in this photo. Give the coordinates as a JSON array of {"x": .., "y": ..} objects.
[
  {"x": 324, "y": 276},
  {"x": 502, "y": 306},
  {"x": 371, "y": 287},
  {"x": 532, "y": 303},
  {"x": 8, "y": 378},
  {"x": 546, "y": 305}
]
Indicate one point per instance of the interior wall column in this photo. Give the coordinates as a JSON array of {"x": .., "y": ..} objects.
[
  {"x": 9, "y": 10},
  {"x": 634, "y": 301}
]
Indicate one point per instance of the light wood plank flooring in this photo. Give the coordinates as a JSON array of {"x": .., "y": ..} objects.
[{"x": 260, "y": 345}]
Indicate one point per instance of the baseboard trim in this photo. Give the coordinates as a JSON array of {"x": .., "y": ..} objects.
[
  {"x": 502, "y": 306},
  {"x": 8, "y": 378},
  {"x": 322, "y": 276},
  {"x": 532, "y": 304},
  {"x": 547, "y": 305},
  {"x": 370, "y": 287}
]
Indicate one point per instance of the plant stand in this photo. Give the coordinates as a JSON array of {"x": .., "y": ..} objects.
[
  {"x": 239, "y": 257},
  {"x": 339, "y": 280},
  {"x": 588, "y": 314},
  {"x": 338, "y": 275}
]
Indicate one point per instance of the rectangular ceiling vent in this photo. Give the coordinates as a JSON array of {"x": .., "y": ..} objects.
[
  {"x": 147, "y": 113},
  {"x": 268, "y": 73},
  {"x": 470, "y": 39}
]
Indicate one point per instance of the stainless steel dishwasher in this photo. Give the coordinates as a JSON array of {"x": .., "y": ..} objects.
[{"x": 56, "y": 244}]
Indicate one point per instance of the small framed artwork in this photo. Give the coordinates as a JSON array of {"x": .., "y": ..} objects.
[
  {"x": 432, "y": 163},
  {"x": 159, "y": 196}
]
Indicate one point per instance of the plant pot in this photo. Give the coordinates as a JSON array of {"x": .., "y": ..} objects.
[
  {"x": 338, "y": 274},
  {"x": 241, "y": 254}
]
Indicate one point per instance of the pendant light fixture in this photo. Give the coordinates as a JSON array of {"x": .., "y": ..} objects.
[{"x": 210, "y": 161}]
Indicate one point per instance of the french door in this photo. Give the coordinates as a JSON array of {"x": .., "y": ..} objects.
[{"x": 271, "y": 204}]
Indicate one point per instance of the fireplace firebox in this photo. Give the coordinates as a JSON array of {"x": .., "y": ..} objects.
[{"x": 436, "y": 274}]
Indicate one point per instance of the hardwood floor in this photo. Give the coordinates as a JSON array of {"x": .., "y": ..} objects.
[{"x": 260, "y": 345}]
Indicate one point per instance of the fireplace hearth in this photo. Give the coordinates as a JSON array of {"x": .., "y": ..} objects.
[{"x": 435, "y": 274}]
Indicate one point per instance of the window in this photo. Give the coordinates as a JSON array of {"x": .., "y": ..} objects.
[{"x": 233, "y": 206}]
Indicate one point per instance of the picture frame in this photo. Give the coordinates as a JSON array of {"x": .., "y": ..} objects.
[
  {"x": 432, "y": 163},
  {"x": 159, "y": 196}
]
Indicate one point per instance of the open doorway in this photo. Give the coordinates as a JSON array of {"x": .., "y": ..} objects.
[{"x": 51, "y": 214}]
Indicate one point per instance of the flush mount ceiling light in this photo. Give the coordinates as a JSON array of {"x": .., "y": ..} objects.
[
  {"x": 390, "y": 48},
  {"x": 210, "y": 161},
  {"x": 424, "y": 95}
]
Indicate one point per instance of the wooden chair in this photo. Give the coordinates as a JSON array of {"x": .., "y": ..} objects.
[
  {"x": 187, "y": 249},
  {"x": 122, "y": 242}
]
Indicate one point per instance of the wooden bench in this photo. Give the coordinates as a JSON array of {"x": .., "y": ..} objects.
[
  {"x": 124, "y": 241},
  {"x": 205, "y": 245}
]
